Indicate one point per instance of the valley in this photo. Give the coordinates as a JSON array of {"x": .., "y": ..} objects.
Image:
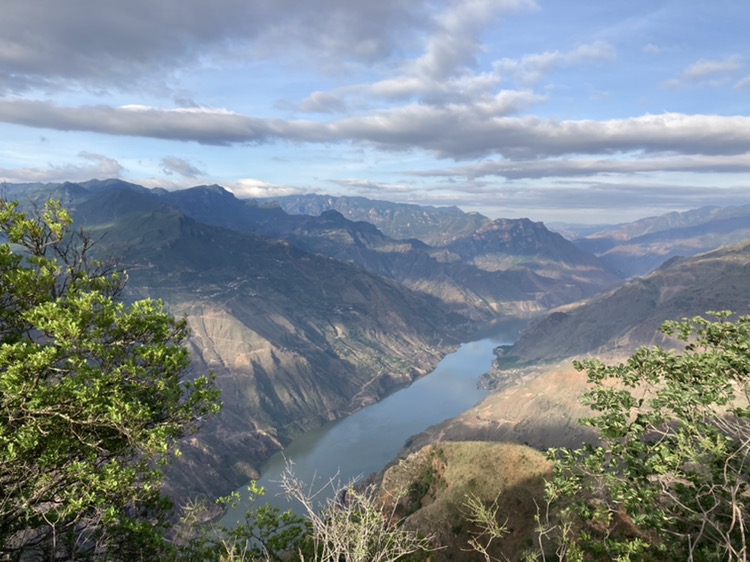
[
  {"x": 454, "y": 281},
  {"x": 305, "y": 319},
  {"x": 363, "y": 443}
]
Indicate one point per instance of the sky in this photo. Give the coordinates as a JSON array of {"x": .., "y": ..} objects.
[{"x": 556, "y": 110}]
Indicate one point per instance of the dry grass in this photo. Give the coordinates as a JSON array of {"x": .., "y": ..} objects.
[{"x": 441, "y": 478}]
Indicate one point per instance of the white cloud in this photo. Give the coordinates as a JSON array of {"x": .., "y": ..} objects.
[
  {"x": 255, "y": 188},
  {"x": 174, "y": 165},
  {"x": 530, "y": 69},
  {"x": 323, "y": 102},
  {"x": 708, "y": 72},
  {"x": 372, "y": 188},
  {"x": 444, "y": 73},
  {"x": 704, "y": 67},
  {"x": 458, "y": 131},
  {"x": 94, "y": 44},
  {"x": 207, "y": 126},
  {"x": 454, "y": 44},
  {"x": 475, "y": 133},
  {"x": 95, "y": 166},
  {"x": 583, "y": 167}
]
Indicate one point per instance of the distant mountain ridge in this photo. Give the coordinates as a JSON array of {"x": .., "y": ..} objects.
[
  {"x": 435, "y": 226},
  {"x": 296, "y": 339},
  {"x": 636, "y": 248},
  {"x": 521, "y": 286},
  {"x": 630, "y": 315},
  {"x": 492, "y": 259}
]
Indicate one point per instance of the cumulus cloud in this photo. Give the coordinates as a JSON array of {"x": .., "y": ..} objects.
[
  {"x": 446, "y": 69},
  {"x": 704, "y": 67},
  {"x": 255, "y": 188},
  {"x": 95, "y": 166},
  {"x": 582, "y": 167},
  {"x": 477, "y": 133},
  {"x": 531, "y": 68},
  {"x": 614, "y": 202},
  {"x": 103, "y": 44},
  {"x": 174, "y": 165},
  {"x": 477, "y": 130},
  {"x": 202, "y": 125},
  {"x": 323, "y": 102},
  {"x": 369, "y": 187},
  {"x": 582, "y": 202},
  {"x": 453, "y": 80},
  {"x": 454, "y": 44}
]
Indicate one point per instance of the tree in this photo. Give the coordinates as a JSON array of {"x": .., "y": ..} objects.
[
  {"x": 267, "y": 533},
  {"x": 93, "y": 397},
  {"x": 340, "y": 522},
  {"x": 669, "y": 478}
]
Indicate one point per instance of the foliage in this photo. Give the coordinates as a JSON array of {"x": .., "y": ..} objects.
[
  {"x": 355, "y": 525},
  {"x": 486, "y": 519},
  {"x": 669, "y": 479},
  {"x": 267, "y": 534},
  {"x": 93, "y": 395}
]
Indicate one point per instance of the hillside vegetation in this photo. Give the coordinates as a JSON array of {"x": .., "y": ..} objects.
[
  {"x": 295, "y": 339},
  {"x": 440, "y": 480}
]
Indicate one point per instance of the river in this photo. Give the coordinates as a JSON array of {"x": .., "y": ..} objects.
[{"x": 362, "y": 443}]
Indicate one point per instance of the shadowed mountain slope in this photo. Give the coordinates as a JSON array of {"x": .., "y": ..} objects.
[
  {"x": 295, "y": 339},
  {"x": 482, "y": 267},
  {"x": 536, "y": 389},
  {"x": 435, "y": 226}
]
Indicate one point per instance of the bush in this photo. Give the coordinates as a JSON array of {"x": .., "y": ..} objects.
[
  {"x": 669, "y": 478},
  {"x": 93, "y": 398}
]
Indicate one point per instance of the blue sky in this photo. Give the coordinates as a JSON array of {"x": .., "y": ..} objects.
[{"x": 566, "y": 110}]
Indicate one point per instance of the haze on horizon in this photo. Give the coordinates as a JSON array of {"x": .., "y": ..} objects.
[{"x": 557, "y": 111}]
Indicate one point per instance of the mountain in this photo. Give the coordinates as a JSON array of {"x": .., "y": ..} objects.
[
  {"x": 636, "y": 248},
  {"x": 435, "y": 226},
  {"x": 305, "y": 319},
  {"x": 630, "y": 315},
  {"x": 512, "y": 244},
  {"x": 510, "y": 265},
  {"x": 295, "y": 339},
  {"x": 536, "y": 389}
]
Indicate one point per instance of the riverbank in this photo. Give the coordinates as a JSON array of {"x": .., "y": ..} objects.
[{"x": 364, "y": 442}]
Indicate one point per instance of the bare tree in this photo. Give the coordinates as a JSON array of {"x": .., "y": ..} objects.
[{"x": 355, "y": 524}]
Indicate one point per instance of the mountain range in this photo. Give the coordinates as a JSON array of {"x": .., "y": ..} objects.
[
  {"x": 490, "y": 269},
  {"x": 294, "y": 338},
  {"x": 309, "y": 308},
  {"x": 536, "y": 388},
  {"x": 637, "y": 248}
]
